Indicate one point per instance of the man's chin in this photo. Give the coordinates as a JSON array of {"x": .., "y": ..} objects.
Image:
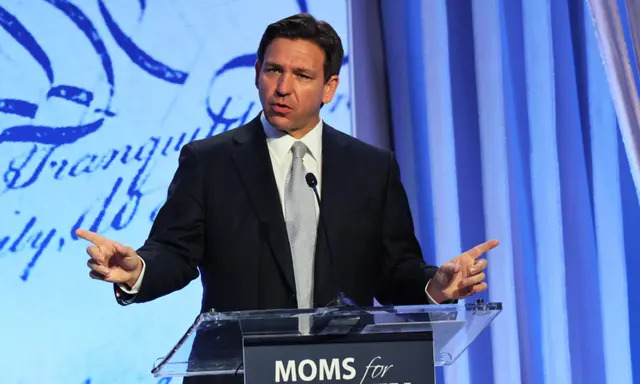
[{"x": 281, "y": 123}]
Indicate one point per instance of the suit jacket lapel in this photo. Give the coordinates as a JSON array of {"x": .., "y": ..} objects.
[
  {"x": 251, "y": 157},
  {"x": 335, "y": 157}
]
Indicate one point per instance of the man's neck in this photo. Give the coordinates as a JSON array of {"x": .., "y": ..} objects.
[
  {"x": 302, "y": 132},
  {"x": 297, "y": 133}
]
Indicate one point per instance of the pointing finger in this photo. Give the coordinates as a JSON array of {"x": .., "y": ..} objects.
[
  {"x": 93, "y": 237},
  {"x": 481, "y": 249}
]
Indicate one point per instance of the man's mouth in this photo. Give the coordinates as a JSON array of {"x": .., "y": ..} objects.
[{"x": 280, "y": 108}]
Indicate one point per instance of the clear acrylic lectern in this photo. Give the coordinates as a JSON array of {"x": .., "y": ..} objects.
[{"x": 326, "y": 344}]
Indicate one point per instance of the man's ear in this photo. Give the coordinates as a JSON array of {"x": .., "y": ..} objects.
[
  {"x": 330, "y": 88},
  {"x": 257, "y": 66}
]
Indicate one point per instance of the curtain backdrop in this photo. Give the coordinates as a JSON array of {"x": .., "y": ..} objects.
[
  {"x": 617, "y": 25},
  {"x": 505, "y": 128}
]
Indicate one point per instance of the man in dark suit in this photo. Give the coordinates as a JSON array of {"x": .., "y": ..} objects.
[{"x": 240, "y": 212}]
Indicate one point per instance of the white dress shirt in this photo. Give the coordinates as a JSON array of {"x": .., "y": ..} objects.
[{"x": 279, "y": 144}]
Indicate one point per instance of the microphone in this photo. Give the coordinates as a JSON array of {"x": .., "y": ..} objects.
[{"x": 340, "y": 300}]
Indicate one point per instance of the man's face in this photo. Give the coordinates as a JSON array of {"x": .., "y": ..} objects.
[{"x": 291, "y": 85}]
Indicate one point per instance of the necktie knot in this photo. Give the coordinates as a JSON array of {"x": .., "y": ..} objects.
[{"x": 298, "y": 149}]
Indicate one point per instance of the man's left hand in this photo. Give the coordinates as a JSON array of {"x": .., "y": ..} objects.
[{"x": 462, "y": 276}]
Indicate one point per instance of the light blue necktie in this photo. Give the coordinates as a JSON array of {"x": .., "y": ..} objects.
[{"x": 300, "y": 216}]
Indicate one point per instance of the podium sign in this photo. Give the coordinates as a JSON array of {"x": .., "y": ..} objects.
[{"x": 361, "y": 358}]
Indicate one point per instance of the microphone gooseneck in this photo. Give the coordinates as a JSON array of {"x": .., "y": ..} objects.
[{"x": 340, "y": 299}]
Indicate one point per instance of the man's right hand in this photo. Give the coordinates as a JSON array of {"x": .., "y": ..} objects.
[{"x": 110, "y": 260}]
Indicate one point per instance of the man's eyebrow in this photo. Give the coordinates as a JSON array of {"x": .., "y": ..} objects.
[
  {"x": 272, "y": 64},
  {"x": 304, "y": 70}
]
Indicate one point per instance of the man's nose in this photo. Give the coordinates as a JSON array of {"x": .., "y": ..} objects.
[{"x": 284, "y": 84}]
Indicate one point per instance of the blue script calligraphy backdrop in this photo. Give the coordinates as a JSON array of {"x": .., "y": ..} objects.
[{"x": 96, "y": 99}]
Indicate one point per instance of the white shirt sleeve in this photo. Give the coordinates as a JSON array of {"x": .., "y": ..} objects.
[
  {"x": 431, "y": 301},
  {"x": 136, "y": 287}
]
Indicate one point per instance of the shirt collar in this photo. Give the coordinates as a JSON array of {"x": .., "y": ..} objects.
[{"x": 280, "y": 142}]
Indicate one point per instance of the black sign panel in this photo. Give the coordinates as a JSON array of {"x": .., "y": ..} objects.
[{"x": 405, "y": 358}]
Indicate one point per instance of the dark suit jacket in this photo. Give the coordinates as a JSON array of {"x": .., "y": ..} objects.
[{"x": 224, "y": 217}]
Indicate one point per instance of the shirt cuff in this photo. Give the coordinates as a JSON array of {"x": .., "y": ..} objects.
[
  {"x": 136, "y": 287},
  {"x": 429, "y": 298}
]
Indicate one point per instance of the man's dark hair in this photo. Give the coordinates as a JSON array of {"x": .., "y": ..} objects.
[{"x": 306, "y": 27}]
